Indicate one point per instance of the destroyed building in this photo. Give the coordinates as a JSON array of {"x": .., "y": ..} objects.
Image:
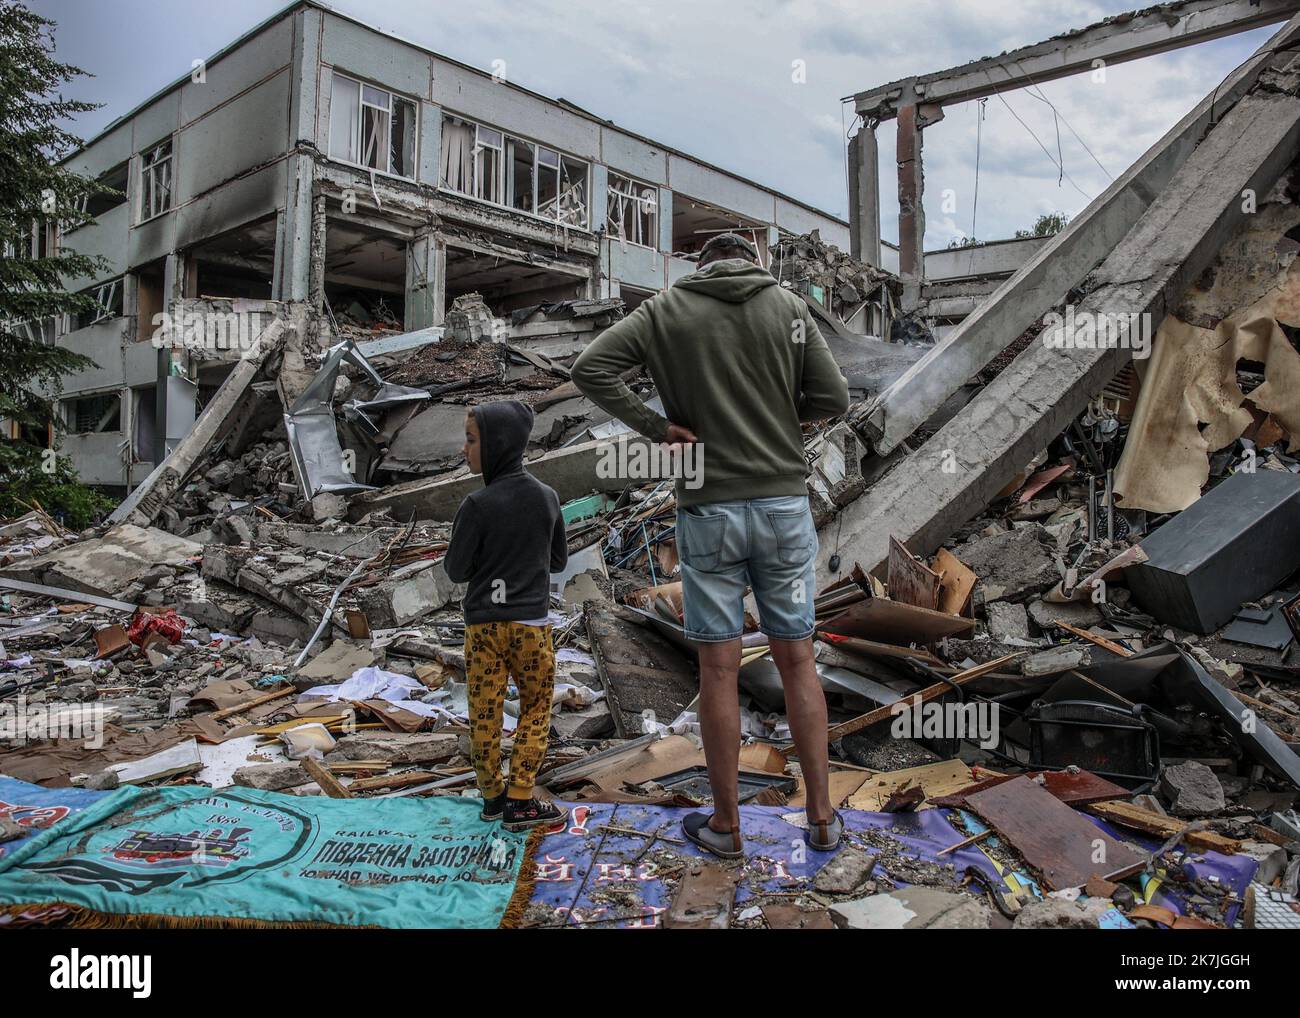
[
  {"x": 370, "y": 176},
  {"x": 1058, "y": 600}
]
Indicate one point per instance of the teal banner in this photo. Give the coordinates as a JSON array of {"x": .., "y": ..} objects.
[{"x": 236, "y": 856}]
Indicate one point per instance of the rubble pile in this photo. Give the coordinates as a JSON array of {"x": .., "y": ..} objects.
[
  {"x": 1072, "y": 663},
  {"x": 828, "y": 275}
]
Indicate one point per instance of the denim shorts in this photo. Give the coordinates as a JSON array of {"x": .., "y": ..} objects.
[{"x": 767, "y": 544}]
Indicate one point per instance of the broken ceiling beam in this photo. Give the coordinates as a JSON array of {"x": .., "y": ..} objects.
[
  {"x": 1046, "y": 278},
  {"x": 1114, "y": 40},
  {"x": 572, "y": 472},
  {"x": 961, "y": 469},
  {"x": 226, "y": 408}
]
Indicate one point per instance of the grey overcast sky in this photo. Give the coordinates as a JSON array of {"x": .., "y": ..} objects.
[{"x": 715, "y": 78}]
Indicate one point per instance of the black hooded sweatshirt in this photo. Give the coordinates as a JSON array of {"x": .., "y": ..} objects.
[{"x": 508, "y": 536}]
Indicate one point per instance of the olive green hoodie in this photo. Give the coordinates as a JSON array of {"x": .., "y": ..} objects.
[{"x": 736, "y": 359}]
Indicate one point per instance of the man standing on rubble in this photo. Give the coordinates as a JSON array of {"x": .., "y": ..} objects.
[{"x": 738, "y": 363}]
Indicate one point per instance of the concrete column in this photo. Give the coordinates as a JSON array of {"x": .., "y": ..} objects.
[
  {"x": 316, "y": 259},
  {"x": 911, "y": 205},
  {"x": 665, "y": 221},
  {"x": 294, "y": 258},
  {"x": 599, "y": 198},
  {"x": 421, "y": 273},
  {"x": 864, "y": 196},
  {"x": 173, "y": 289}
]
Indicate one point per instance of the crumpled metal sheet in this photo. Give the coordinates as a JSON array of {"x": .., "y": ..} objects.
[{"x": 318, "y": 458}]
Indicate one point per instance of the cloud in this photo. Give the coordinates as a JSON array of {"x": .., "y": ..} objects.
[{"x": 714, "y": 80}]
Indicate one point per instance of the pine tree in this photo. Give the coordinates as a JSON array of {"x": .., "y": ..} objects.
[{"x": 36, "y": 192}]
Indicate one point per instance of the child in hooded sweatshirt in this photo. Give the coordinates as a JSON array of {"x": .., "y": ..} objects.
[{"x": 507, "y": 539}]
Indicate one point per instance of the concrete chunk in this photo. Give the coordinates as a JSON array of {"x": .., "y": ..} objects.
[
  {"x": 396, "y": 747},
  {"x": 271, "y": 777},
  {"x": 847, "y": 870},
  {"x": 913, "y": 908},
  {"x": 1191, "y": 789},
  {"x": 1008, "y": 621},
  {"x": 1059, "y": 914},
  {"x": 409, "y": 595}
]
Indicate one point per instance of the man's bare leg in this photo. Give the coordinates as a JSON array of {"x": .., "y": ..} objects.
[
  {"x": 720, "y": 729},
  {"x": 805, "y": 708}
]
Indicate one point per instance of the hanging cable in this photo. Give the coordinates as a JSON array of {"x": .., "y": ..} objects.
[
  {"x": 1045, "y": 149},
  {"x": 980, "y": 113}
]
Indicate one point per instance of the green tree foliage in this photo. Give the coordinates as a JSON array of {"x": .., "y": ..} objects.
[
  {"x": 36, "y": 193},
  {"x": 1046, "y": 225}
]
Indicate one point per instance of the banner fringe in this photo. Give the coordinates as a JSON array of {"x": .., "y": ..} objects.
[
  {"x": 523, "y": 893},
  {"x": 78, "y": 917}
]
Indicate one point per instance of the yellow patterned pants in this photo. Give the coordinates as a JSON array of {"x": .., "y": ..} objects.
[{"x": 495, "y": 652}]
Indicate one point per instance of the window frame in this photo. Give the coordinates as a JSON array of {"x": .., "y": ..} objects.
[
  {"x": 107, "y": 294},
  {"x": 537, "y": 149},
  {"x": 356, "y": 128},
  {"x": 145, "y": 193},
  {"x": 633, "y": 184}
]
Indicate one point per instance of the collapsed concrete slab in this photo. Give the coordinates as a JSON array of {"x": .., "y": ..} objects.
[
  {"x": 1056, "y": 269},
  {"x": 230, "y": 405},
  {"x": 602, "y": 465},
  {"x": 964, "y": 466},
  {"x": 106, "y": 565}
]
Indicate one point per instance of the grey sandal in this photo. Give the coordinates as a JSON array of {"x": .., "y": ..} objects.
[
  {"x": 697, "y": 830},
  {"x": 825, "y": 836}
]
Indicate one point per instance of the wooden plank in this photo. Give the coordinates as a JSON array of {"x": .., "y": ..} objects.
[
  {"x": 1100, "y": 641},
  {"x": 843, "y": 783},
  {"x": 1126, "y": 814},
  {"x": 966, "y": 841},
  {"x": 328, "y": 782},
  {"x": 911, "y": 582},
  {"x": 390, "y": 781},
  {"x": 956, "y": 584},
  {"x": 1064, "y": 847},
  {"x": 1077, "y": 789},
  {"x": 257, "y": 701},
  {"x": 934, "y": 779},
  {"x": 926, "y": 695}
]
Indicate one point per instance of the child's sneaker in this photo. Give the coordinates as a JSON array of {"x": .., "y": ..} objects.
[
  {"x": 521, "y": 814},
  {"x": 493, "y": 808}
]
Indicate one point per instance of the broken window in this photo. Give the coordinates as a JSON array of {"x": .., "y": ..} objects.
[
  {"x": 156, "y": 180},
  {"x": 522, "y": 182},
  {"x": 41, "y": 240},
  {"x": 487, "y": 164},
  {"x": 97, "y": 204},
  {"x": 94, "y": 413},
  {"x": 548, "y": 177},
  {"x": 108, "y": 304},
  {"x": 571, "y": 208},
  {"x": 401, "y": 144},
  {"x": 633, "y": 211},
  {"x": 41, "y": 331},
  {"x": 371, "y": 127}
]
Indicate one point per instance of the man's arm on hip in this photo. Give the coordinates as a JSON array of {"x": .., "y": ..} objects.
[
  {"x": 597, "y": 373},
  {"x": 823, "y": 391}
]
